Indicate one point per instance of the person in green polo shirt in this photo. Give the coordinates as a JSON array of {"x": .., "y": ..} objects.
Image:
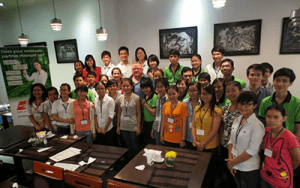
[
  {"x": 173, "y": 72},
  {"x": 149, "y": 105},
  {"x": 78, "y": 80},
  {"x": 227, "y": 67}
]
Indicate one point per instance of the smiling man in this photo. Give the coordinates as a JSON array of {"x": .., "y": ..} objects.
[
  {"x": 124, "y": 65},
  {"x": 227, "y": 67},
  {"x": 214, "y": 69}
]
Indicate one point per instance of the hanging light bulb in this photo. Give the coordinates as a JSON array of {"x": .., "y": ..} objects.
[
  {"x": 218, "y": 3},
  {"x": 55, "y": 23},
  {"x": 23, "y": 39},
  {"x": 101, "y": 33},
  {"x": 295, "y": 17}
]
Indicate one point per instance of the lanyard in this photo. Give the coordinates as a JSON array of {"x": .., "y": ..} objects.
[
  {"x": 238, "y": 131},
  {"x": 217, "y": 70},
  {"x": 270, "y": 144},
  {"x": 82, "y": 110},
  {"x": 50, "y": 104},
  {"x": 65, "y": 107},
  {"x": 126, "y": 104},
  {"x": 201, "y": 119},
  {"x": 172, "y": 109}
]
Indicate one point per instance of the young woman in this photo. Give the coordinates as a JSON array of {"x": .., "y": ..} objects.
[
  {"x": 205, "y": 127},
  {"x": 79, "y": 66},
  {"x": 175, "y": 113},
  {"x": 191, "y": 103},
  {"x": 90, "y": 65},
  {"x": 149, "y": 108},
  {"x": 158, "y": 74},
  {"x": 60, "y": 109},
  {"x": 141, "y": 57},
  {"x": 52, "y": 94},
  {"x": 82, "y": 115},
  {"x": 40, "y": 76},
  {"x": 282, "y": 154},
  {"x": 129, "y": 117},
  {"x": 104, "y": 78},
  {"x": 104, "y": 114},
  {"x": 246, "y": 136},
  {"x": 117, "y": 76},
  {"x": 182, "y": 88},
  {"x": 221, "y": 98},
  {"x": 34, "y": 106},
  {"x": 153, "y": 63},
  {"x": 162, "y": 86},
  {"x": 196, "y": 62}
]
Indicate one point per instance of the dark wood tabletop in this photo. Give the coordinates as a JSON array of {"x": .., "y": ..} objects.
[{"x": 189, "y": 169}]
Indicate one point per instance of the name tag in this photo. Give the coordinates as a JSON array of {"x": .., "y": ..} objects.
[
  {"x": 126, "y": 117},
  {"x": 171, "y": 128},
  {"x": 158, "y": 118},
  {"x": 170, "y": 120},
  {"x": 200, "y": 132},
  {"x": 225, "y": 133},
  {"x": 234, "y": 152},
  {"x": 268, "y": 153},
  {"x": 83, "y": 122},
  {"x": 190, "y": 125}
]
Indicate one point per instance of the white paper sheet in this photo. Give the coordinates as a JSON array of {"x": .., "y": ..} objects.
[
  {"x": 67, "y": 166},
  {"x": 65, "y": 154},
  {"x": 44, "y": 149}
]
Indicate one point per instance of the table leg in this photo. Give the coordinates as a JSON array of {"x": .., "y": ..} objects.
[
  {"x": 5, "y": 122},
  {"x": 20, "y": 170}
]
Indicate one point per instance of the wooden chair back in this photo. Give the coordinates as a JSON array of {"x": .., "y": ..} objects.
[
  {"x": 116, "y": 184},
  {"x": 48, "y": 171},
  {"x": 82, "y": 180}
]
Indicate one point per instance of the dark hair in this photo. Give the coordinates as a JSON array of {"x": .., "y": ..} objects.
[
  {"x": 218, "y": 49},
  {"x": 77, "y": 75},
  {"x": 163, "y": 81},
  {"x": 185, "y": 69},
  {"x": 198, "y": 56},
  {"x": 246, "y": 97},
  {"x": 82, "y": 87},
  {"x": 103, "y": 75},
  {"x": 116, "y": 68},
  {"x": 99, "y": 83},
  {"x": 256, "y": 67},
  {"x": 210, "y": 90},
  {"x": 161, "y": 71},
  {"x": 81, "y": 65},
  {"x": 182, "y": 79},
  {"x": 228, "y": 60},
  {"x": 173, "y": 87},
  {"x": 51, "y": 89},
  {"x": 86, "y": 59},
  {"x": 147, "y": 82},
  {"x": 224, "y": 89},
  {"x": 197, "y": 84},
  {"x": 69, "y": 88},
  {"x": 204, "y": 75},
  {"x": 285, "y": 72},
  {"x": 234, "y": 83},
  {"x": 152, "y": 57},
  {"x": 130, "y": 83},
  {"x": 38, "y": 63},
  {"x": 92, "y": 73},
  {"x": 32, "y": 97},
  {"x": 136, "y": 51},
  {"x": 123, "y": 48},
  {"x": 174, "y": 52},
  {"x": 266, "y": 65},
  {"x": 111, "y": 82},
  {"x": 105, "y": 53},
  {"x": 278, "y": 108}
]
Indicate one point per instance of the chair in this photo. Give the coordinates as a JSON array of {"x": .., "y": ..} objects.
[
  {"x": 48, "y": 171},
  {"x": 116, "y": 184},
  {"x": 82, "y": 180}
]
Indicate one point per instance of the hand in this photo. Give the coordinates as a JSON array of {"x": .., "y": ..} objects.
[
  {"x": 103, "y": 131},
  {"x": 230, "y": 163},
  {"x": 98, "y": 130},
  {"x": 118, "y": 130},
  {"x": 198, "y": 144},
  {"x": 162, "y": 139},
  {"x": 182, "y": 144},
  {"x": 143, "y": 102},
  {"x": 93, "y": 106},
  {"x": 233, "y": 172},
  {"x": 94, "y": 136},
  {"x": 152, "y": 134},
  {"x": 24, "y": 72},
  {"x": 138, "y": 131}
]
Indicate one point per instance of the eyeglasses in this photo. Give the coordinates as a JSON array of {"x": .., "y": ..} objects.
[
  {"x": 63, "y": 90},
  {"x": 247, "y": 105}
]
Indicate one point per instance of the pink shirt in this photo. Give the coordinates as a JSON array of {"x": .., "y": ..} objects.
[
  {"x": 82, "y": 113},
  {"x": 97, "y": 71},
  {"x": 278, "y": 170}
]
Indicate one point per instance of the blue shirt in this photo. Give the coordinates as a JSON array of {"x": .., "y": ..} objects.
[
  {"x": 189, "y": 135},
  {"x": 138, "y": 89}
]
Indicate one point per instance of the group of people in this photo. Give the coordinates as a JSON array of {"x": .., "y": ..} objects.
[{"x": 252, "y": 130}]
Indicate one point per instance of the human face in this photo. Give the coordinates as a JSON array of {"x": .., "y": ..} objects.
[
  {"x": 116, "y": 75},
  {"x": 78, "y": 81},
  {"x": 146, "y": 90},
  {"x": 246, "y": 109},
  {"x": 174, "y": 59},
  {"x": 219, "y": 89},
  {"x": 182, "y": 86},
  {"x": 127, "y": 88},
  {"x": 82, "y": 94},
  {"x": 140, "y": 55},
  {"x": 78, "y": 67},
  {"x": 281, "y": 84},
  {"x": 173, "y": 95},
  {"x": 90, "y": 63},
  {"x": 52, "y": 95},
  {"x": 101, "y": 90},
  {"x": 113, "y": 88},
  {"x": 157, "y": 75},
  {"x": 274, "y": 119},
  {"x": 226, "y": 68},
  {"x": 106, "y": 59},
  {"x": 196, "y": 62},
  {"x": 64, "y": 91},
  {"x": 37, "y": 92},
  {"x": 203, "y": 82},
  {"x": 37, "y": 66},
  {"x": 153, "y": 64},
  {"x": 123, "y": 55},
  {"x": 193, "y": 92},
  {"x": 217, "y": 56},
  {"x": 104, "y": 79},
  {"x": 91, "y": 79},
  {"x": 254, "y": 77},
  {"x": 137, "y": 70},
  {"x": 266, "y": 75},
  {"x": 206, "y": 97},
  {"x": 188, "y": 76},
  {"x": 160, "y": 89},
  {"x": 232, "y": 92}
]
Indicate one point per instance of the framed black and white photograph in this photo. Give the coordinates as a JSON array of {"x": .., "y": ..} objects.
[
  {"x": 182, "y": 39},
  {"x": 66, "y": 51},
  {"x": 290, "y": 38},
  {"x": 238, "y": 38}
]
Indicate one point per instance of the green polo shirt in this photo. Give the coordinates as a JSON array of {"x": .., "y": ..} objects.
[
  {"x": 291, "y": 105},
  {"x": 151, "y": 102},
  {"x": 242, "y": 82},
  {"x": 172, "y": 78},
  {"x": 196, "y": 77},
  {"x": 90, "y": 96},
  {"x": 226, "y": 101}
]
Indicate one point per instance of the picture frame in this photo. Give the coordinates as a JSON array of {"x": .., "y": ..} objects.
[
  {"x": 184, "y": 39},
  {"x": 238, "y": 38},
  {"x": 290, "y": 38},
  {"x": 66, "y": 51}
]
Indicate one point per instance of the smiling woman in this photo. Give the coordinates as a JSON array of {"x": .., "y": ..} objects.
[{"x": 40, "y": 76}]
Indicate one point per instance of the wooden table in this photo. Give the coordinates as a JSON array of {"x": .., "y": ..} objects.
[
  {"x": 189, "y": 170},
  {"x": 14, "y": 135}
]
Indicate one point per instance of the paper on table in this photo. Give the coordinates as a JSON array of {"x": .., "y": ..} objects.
[
  {"x": 67, "y": 166},
  {"x": 140, "y": 167},
  {"x": 64, "y": 137},
  {"x": 65, "y": 154},
  {"x": 91, "y": 159},
  {"x": 44, "y": 149}
]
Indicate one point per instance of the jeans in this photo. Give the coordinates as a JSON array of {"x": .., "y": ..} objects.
[
  {"x": 157, "y": 138},
  {"x": 88, "y": 134},
  {"x": 131, "y": 139},
  {"x": 264, "y": 184},
  {"x": 63, "y": 129},
  {"x": 247, "y": 179}
]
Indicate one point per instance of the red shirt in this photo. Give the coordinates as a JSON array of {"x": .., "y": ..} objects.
[{"x": 97, "y": 71}]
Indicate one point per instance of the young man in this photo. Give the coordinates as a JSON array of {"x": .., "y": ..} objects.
[
  {"x": 108, "y": 66},
  {"x": 91, "y": 76},
  {"x": 187, "y": 74},
  {"x": 227, "y": 67},
  {"x": 265, "y": 83},
  {"x": 79, "y": 79},
  {"x": 124, "y": 65},
  {"x": 173, "y": 72},
  {"x": 255, "y": 73},
  {"x": 52, "y": 94},
  {"x": 214, "y": 69}
]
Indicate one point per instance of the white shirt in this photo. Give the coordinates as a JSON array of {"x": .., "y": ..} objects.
[
  {"x": 38, "y": 77},
  {"x": 106, "y": 70},
  {"x": 35, "y": 111},
  {"x": 62, "y": 110},
  {"x": 248, "y": 140},
  {"x": 125, "y": 69},
  {"x": 145, "y": 68},
  {"x": 104, "y": 110},
  {"x": 47, "y": 108},
  {"x": 213, "y": 72}
]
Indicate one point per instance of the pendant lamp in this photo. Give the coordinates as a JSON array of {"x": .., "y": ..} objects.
[
  {"x": 295, "y": 17},
  {"x": 23, "y": 39},
  {"x": 55, "y": 23},
  {"x": 218, "y": 3},
  {"x": 101, "y": 33}
]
